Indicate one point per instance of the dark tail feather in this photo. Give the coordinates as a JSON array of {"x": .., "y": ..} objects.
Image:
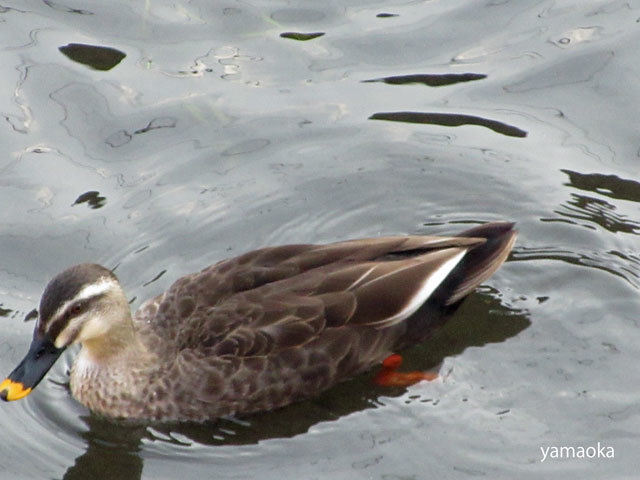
[
  {"x": 474, "y": 268},
  {"x": 479, "y": 263}
]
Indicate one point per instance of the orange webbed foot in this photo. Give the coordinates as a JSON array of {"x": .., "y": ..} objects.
[{"x": 388, "y": 376}]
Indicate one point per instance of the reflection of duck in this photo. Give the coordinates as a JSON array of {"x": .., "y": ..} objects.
[{"x": 255, "y": 332}]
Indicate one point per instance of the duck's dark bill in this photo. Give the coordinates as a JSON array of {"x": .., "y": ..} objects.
[{"x": 40, "y": 358}]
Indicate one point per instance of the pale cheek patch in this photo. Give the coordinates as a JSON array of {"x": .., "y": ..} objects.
[
  {"x": 80, "y": 330},
  {"x": 66, "y": 337},
  {"x": 93, "y": 328},
  {"x": 69, "y": 333}
]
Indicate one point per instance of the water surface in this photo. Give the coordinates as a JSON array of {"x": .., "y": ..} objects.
[{"x": 158, "y": 137}]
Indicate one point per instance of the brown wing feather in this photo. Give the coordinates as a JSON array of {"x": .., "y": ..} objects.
[{"x": 281, "y": 297}]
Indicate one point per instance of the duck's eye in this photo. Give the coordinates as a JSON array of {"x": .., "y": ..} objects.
[{"x": 76, "y": 309}]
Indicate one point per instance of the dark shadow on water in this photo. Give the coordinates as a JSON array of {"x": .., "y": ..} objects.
[
  {"x": 608, "y": 185},
  {"x": 301, "y": 36},
  {"x": 92, "y": 199},
  {"x": 93, "y": 56},
  {"x": 66, "y": 9},
  {"x": 592, "y": 210},
  {"x": 112, "y": 452},
  {"x": 431, "y": 80},
  {"x": 113, "y": 448},
  {"x": 449, "y": 120}
]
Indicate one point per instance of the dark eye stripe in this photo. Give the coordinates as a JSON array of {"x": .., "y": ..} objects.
[
  {"x": 56, "y": 327},
  {"x": 71, "y": 311}
]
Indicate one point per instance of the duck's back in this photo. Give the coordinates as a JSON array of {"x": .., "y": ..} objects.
[
  {"x": 266, "y": 287},
  {"x": 280, "y": 324}
]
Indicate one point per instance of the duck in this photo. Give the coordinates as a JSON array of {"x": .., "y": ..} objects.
[{"x": 256, "y": 332}]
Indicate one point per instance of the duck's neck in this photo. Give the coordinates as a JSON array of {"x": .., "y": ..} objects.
[
  {"x": 117, "y": 342},
  {"x": 111, "y": 372},
  {"x": 104, "y": 345}
]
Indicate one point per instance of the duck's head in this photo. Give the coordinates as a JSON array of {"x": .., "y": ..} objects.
[{"x": 81, "y": 304}]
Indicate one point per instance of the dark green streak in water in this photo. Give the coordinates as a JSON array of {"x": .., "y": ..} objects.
[
  {"x": 430, "y": 80},
  {"x": 449, "y": 120},
  {"x": 607, "y": 185},
  {"x": 96, "y": 57},
  {"x": 303, "y": 37}
]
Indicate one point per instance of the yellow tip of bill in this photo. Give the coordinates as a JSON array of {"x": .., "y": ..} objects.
[{"x": 10, "y": 390}]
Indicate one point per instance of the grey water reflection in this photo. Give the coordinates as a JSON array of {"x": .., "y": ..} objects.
[
  {"x": 214, "y": 134},
  {"x": 597, "y": 211},
  {"x": 113, "y": 448},
  {"x": 614, "y": 262},
  {"x": 604, "y": 208}
]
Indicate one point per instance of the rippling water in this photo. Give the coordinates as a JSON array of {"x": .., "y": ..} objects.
[{"x": 158, "y": 137}]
